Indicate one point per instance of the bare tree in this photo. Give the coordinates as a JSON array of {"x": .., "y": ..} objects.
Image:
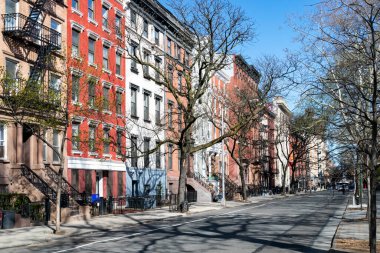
[
  {"x": 213, "y": 30},
  {"x": 343, "y": 45}
]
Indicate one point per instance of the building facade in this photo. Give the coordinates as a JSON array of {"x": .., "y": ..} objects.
[
  {"x": 30, "y": 36},
  {"x": 97, "y": 72},
  {"x": 146, "y": 172},
  {"x": 283, "y": 114}
]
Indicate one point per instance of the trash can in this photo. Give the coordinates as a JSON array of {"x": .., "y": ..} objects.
[
  {"x": 9, "y": 219},
  {"x": 356, "y": 200}
]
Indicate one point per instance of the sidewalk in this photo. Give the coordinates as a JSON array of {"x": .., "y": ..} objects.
[
  {"x": 29, "y": 236},
  {"x": 352, "y": 233}
]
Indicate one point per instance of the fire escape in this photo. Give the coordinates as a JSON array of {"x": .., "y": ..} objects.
[{"x": 31, "y": 33}]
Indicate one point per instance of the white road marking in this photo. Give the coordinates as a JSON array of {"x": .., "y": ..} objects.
[{"x": 152, "y": 230}]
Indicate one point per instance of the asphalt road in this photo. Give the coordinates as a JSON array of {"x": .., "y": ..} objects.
[{"x": 305, "y": 223}]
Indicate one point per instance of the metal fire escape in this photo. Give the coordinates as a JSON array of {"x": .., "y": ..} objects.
[{"x": 30, "y": 31}]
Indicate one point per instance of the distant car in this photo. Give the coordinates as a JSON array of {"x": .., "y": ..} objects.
[{"x": 339, "y": 188}]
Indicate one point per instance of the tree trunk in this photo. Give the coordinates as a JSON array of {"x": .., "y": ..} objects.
[
  {"x": 182, "y": 179},
  {"x": 283, "y": 181},
  {"x": 372, "y": 194},
  {"x": 243, "y": 184},
  {"x": 58, "y": 202}
]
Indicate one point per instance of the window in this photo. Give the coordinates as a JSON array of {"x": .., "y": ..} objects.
[
  {"x": 75, "y": 43},
  {"x": 91, "y": 138},
  {"x": 146, "y": 152},
  {"x": 157, "y": 65},
  {"x": 146, "y": 67},
  {"x": 133, "y": 54},
  {"x": 105, "y": 57},
  {"x": 75, "y": 88},
  {"x": 179, "y": 119},
  {"x": 145, "y": 29},
  {"x": 10, "y": 21},
  {"x": 91, "y": 93},
  {"x": 91, "y": 50},
  {"x": 156, "y": 36},
  {"x": 106, "y": 98},
  {"x": 55, "y": 33},
  {"x": 170, "y": 75},
  {"x": 2, "y": 141},
  {"x": 119, "y": 138},
  {"x": 170, "y": 157},
  {"x": 91, "y": 9},
  {"x": 75, "y": 4},
  {"x": 169, "y": 46},
  {"x": 179, "y": 53},
  {"x": 146, "y": 106},
  {"x": 170, "y": 115},
  {"x": 187, "y": 59},
  {"x": 158, "y": 110},
  {"x": 118, "y": 25},
  {"x": 158, "y": 155},
  {"x": 54, "y": 91},
  {"x": 55, "y": 146},
  {"x": 11, "y": 69},
  {"x": 106, "y": 141},
  {"x": 75, "y": 136},
  {"x": 134, "y": 151},
  {"x": 133, "y": 19},
  {"x": 118, "y": 63},
  {"x": 105, "y": 16},
  {"x": 179, "y": 81},
  {"x": 119, "y": 104},
  {"x": 133, "y": 102}
]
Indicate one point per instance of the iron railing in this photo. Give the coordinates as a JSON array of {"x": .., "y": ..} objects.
[
  {"x": 67, "y": 188},
  {"x": 39, "y": 183},
  {"x": 17, "y": 24},
  {"x": 199, "y": 178}
]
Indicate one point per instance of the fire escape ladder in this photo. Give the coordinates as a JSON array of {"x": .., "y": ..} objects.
[
  {"x": 39, "y": 183},
  {"x": 35, "y": 13},
  {"x": 40, "y": 64}
]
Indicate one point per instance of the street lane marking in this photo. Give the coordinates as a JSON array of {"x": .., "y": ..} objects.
[{"x": 156, "y": 229}]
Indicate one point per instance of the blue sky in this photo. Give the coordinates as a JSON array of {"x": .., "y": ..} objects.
[
  {"x": 273, "y": 33},
  {"x": 272, "y": 27}
]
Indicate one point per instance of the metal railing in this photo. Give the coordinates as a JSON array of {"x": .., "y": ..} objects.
[
  {"x": 20, "y": 25},
  {"x": 67, "y": 188},
  {"x": 39, "y": 183},
  {"x": 199, "y": 178}
]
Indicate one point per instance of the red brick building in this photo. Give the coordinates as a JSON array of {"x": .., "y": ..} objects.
[{"x": 96, "y": 60}]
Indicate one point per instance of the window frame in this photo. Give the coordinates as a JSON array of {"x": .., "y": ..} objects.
[
  {"x": 105, "y": 57},
  {"x": 91, "y": 9},
  {"x": 91, "y": 50},
  {"x": 133, "y": 102},
  {"x": 75, "y": 88},
  {"x": 75, "y": 135}
]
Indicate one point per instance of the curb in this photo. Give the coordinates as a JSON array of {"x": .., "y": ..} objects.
[{"x": 332, "y": 245}]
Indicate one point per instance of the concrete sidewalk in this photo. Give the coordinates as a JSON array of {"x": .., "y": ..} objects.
[
  {"x": 352, "y": 232},
  {"x": 29, "y": 236}
]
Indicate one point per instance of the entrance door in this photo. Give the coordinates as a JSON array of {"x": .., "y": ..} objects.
[{"x": 99, "y": 183}]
